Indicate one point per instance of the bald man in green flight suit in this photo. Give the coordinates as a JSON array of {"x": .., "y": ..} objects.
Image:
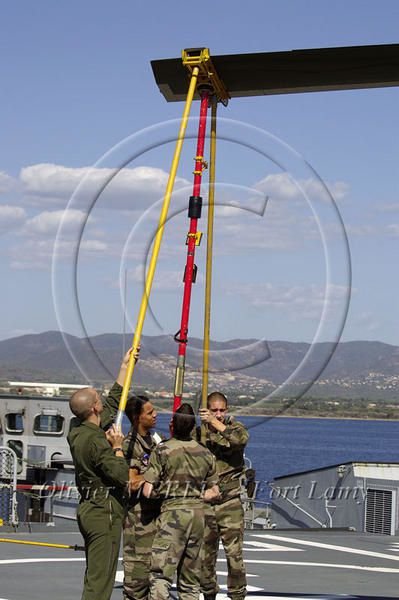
[{"x": 101, "y": 477}]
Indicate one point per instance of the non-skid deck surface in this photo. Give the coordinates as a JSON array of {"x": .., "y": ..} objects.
[{"x": 280, "y": 565}]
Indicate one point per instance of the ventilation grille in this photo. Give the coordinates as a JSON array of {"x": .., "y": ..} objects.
[{"x": 379, "y": 511}]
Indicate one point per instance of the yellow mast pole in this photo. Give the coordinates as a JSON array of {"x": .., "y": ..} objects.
[
  {"x": 209, "y": 251},
  {"x": 157, "y": 245}
]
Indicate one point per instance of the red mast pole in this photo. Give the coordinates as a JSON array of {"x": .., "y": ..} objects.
[{"x": 193, "y": 238}]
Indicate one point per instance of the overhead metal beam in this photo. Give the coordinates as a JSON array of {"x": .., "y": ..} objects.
[{"x": 295, "y": 71}]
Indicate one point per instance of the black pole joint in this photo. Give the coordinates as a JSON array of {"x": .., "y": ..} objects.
[
  {"x": 194, "y": 277},
  {"x": 194, "y": 207}
]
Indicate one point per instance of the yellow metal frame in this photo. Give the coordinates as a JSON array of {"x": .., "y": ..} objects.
[
  {"x": 157, "y": 244},
  {"x": 201, "y": 58}
]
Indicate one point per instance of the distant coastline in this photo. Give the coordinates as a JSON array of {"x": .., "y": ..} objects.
[
  {"x": 338, "y": 418},
  {"x": 273, "y": 416}
]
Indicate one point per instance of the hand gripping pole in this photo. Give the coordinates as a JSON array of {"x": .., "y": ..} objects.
[{"x": 157, "y": 245}]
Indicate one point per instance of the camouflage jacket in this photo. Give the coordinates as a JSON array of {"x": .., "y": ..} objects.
[
  {"x": 180, "y": 470},
  {"x": 137, "y": 450},
  {"x": 101, "y": 477},
  {"x": 228, "y": 448}
]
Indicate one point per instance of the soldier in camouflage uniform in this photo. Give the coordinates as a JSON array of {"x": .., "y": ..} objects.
[
  {"x": 183, "y": 473},
  {"x": 224, "y": 519},
  {"x": 139, "y": 524},
  {"x": 101, "y": 477}
]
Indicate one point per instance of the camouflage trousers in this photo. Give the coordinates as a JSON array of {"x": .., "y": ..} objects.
[
  {"x": 176, "y": 548},
  {"x": 138, "y": 533},
  {"x": 224, "y": 521}
]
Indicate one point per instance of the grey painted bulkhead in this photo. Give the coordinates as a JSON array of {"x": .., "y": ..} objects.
[
  {"x": 338, "y": 497},
  {"x": 26, "y": 426}
]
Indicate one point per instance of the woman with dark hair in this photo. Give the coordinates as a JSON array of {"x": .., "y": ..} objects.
[
  {"x": 183, "y": 473},
  {"x": 139, "y": 524}
]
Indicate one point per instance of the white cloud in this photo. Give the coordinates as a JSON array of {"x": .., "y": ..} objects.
[
  {"x": 7, "y": 183},
  {"x": 361, "y": 230},
  {"x": 36, "y": 253},
  {"x": 280, "y": 186},
  {"x": 368, "y": 321},
  {"x": 47, "y": 222},
  {"x": 338, "y": 189},
  {"x": 305, "y": 301},
  {"x": 124, "y": 188},
  {"x": 394, "y": 207},
  {"x": 281, "y": 227},
  {"x": 168, "y": 281},
  {"x": 93, "y": 246},
  {"x": 49, "y": 179},
  {"x": 241, "y": 225},
  {"x": 32, "y": 254},
  {"x": 37, "y": 235},
  {"x": 11, "y": 217},
  {"x": 164, "y": 280},
  {"x": 287, "y": 223}
]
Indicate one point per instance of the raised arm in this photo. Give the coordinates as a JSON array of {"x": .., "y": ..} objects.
[
  {"x": 233, "y": 432},
  {"x": 111, "y": 404}
]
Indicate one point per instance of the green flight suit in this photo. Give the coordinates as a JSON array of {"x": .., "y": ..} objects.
[
  {"x": 179, "y": 471},
  {"x": 101, "y": 479},
  {"x": 224, "y": 519},
  {"x": 139, "y": 525}
]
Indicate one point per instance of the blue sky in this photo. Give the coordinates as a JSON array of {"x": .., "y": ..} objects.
[{"x": 77, "y": 81}]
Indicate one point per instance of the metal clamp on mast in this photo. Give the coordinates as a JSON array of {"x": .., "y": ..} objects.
[{"x": 201, "y": 58}]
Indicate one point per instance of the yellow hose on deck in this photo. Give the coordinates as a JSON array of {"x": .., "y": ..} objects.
[{"x": 28, "y": 543}]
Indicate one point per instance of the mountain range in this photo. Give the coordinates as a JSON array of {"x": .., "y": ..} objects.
[{"x": 355, "y": 369}]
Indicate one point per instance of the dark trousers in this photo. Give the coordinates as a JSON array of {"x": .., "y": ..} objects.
[{"x": 101, "y": 529}]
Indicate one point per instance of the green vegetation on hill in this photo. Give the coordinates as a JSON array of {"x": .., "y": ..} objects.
[{"x": 307, "y": 406}]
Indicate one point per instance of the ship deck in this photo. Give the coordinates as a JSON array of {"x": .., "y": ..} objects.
[{"x": 281, "y": 565}]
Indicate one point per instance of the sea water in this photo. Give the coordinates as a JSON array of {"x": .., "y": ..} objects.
[{"x": 282, "y": 445}]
